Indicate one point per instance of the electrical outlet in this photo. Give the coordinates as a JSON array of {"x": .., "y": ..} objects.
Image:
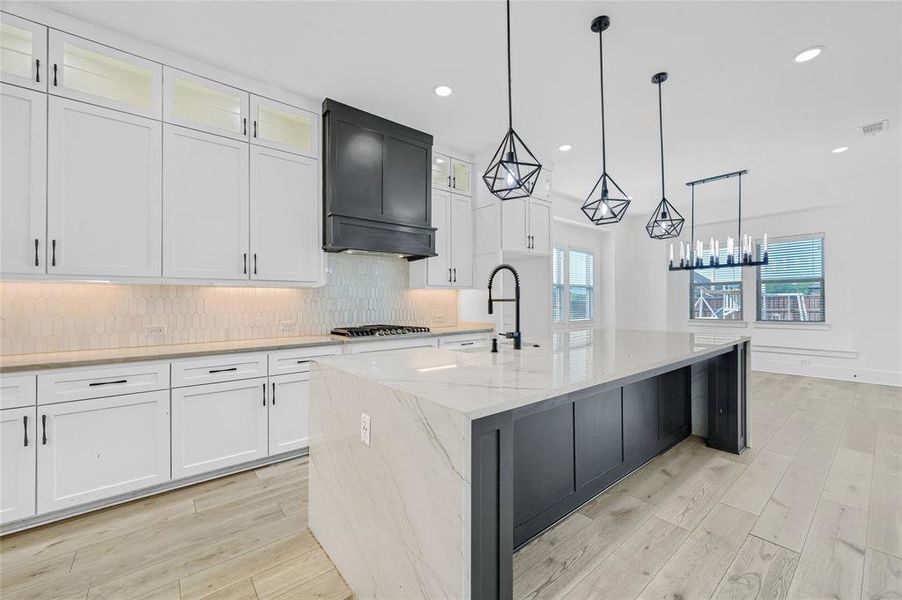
[
  {"x": 287, "y": 327},
  {"x": 155, "y": 330},
  {"x": 438, "y": 319},
  {"x": 365, "y": 429}
]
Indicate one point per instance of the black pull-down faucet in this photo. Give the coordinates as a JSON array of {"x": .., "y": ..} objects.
[{"x": 514, "y": 335}]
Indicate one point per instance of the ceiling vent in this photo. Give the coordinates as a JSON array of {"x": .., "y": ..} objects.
[{"x": 875, "y": 128}]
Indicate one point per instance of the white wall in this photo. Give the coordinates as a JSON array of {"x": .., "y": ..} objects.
[{"x": 861, "y": 338}]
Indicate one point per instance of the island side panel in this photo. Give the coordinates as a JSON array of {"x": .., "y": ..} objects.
[
  {"x": 493, "y": 508},
  {"x": 394, "y": 517},
  {"x": 727, "y": 395}
]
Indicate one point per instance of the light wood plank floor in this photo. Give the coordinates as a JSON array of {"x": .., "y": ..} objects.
[{"x": 813, "y": 510}]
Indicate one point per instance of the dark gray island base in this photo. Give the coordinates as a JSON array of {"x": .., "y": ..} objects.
[{"x": 534, "y": 465}]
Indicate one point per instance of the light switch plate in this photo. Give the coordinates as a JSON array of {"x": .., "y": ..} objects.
[{"x": 365, "y": 429}]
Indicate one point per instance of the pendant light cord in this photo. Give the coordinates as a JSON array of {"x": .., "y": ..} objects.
[
  {"x": 601, "y": 71},
  {"x": 510, "y": 110},
  {"x": 661, "y": 131}
]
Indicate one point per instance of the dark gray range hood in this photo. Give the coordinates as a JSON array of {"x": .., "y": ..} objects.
[{"x": 377, "y": 184}]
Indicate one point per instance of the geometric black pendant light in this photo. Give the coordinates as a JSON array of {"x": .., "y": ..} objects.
[
  {"x": 666, "y": 222},
  {"x": 513, "y": 170},
  {"x": 607, "y": 202}
]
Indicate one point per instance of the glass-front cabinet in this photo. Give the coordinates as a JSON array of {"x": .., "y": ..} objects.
[
  {"x": 91, "y": 72},
  {"x": 460, "y": 176},
  {"x": 284, "y": 127},
  {"x": 201, "y": 103},
  {"x": 23, "y": 52},
  {"x": 441, "y": 171}
]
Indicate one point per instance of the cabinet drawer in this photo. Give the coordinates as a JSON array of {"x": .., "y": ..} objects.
[
  {"x": 297, "y": 360},
  {"x": 396, "y": 344},
  {"x": 17, "y": 390},
  {"x": 228, "y": 367},
  {"x": 100, "y": 382},
  {"x": 453, "y": 342}
]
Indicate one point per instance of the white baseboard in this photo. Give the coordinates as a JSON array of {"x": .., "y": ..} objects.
[{"x": 850, "y": 373}]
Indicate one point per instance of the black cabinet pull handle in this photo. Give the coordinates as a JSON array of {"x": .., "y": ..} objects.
[
  {"x": 37, "y": 78},
  {"x": 54, "y": 75},
  {"x": 44, "y": 430},
  {"x": 454, "y": 181},
  {"x": 95, "y": 383},
  {"x": 52, "y": 253},
  {"x": 300, "y": 362},
  {"x": 25, "y": 427},
  {"x": 455, "y": 275},
  {"x": 449, "y": 180},
  {"x": 37, "y": 262},
  {"x": 264, "y": 394},
  {"x": 449, "y": 274},
  {"x": 245, "y": 263},
  {"x": 255, "y": 263},
  {"x": 467, "y": 343},
  {"x": 244, "y": 126},
  {"x": 255, "y": 127},
  {"x": 273, "y": 393},
  {"x": 223, "y": 370}
]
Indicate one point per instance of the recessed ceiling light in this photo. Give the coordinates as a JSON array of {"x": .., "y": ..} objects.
[
  {"x": 565, "y": 147},
  {"x": 840, "y": 149},
  {"x": 808, "y": 54},
  {"x": 443, "y": 90}
]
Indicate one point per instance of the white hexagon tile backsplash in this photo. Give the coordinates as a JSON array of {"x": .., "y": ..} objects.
[{"x": 360, "y": 289}]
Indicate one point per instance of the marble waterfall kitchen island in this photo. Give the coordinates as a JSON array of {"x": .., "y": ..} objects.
[{"x": 470, "y": 454}]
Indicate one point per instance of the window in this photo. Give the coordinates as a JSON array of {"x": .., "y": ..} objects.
[
  {"x": 716, "y": 294},
  {"x": 791, "y": 286},
  {"x": 573, "y": 286}
]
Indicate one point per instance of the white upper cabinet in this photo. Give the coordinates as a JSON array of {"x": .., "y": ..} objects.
[
  {"x": 23, "y": 52},
  {"x": 285, "y": 217},
  {"x": 515, "y": 225},
  {"x": 91, "y": 72},
  {"x": 204, "y": 104},
  {"x": 539, "y": 227},
  {"x": 438, "y": 268},
  {"x": 283, "y": 127},
  {"x": 441, "y": 170},
  {"x": 103, "y": 197},
  {"x": 23, "y": 184},
  {"x": 17, "y": 463},
  {"x": 543, "y": 187},
  {"x": 205, "y": 206},
  {"x": 461, "y": 241},
  {"x": 452, "y": 217},
  {"x": 461, "y": 177}
]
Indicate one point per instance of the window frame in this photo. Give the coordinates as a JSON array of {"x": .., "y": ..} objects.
[
  {"x": 759, "y": 300},
  {"x": 741, "y": 293},
  {"x": 566, "y": 322}
]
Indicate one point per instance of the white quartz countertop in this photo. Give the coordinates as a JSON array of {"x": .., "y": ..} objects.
[
  {"x": 478, "y": 383},
  {"x": 12, "y": 363}
]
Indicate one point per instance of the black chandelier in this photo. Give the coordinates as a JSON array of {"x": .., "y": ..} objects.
[
  {"x": 740, "y": 252},
  {"x": 666, "y": 222},
  {"x": 607, "y": 202},
  {"x": 513, "y": 170}
]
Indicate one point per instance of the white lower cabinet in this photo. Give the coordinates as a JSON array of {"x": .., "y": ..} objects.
[
  {"x": 289, "y": 412},
  {"x": 17, "y": 463},
  {"x": 93, "y": 449},
  {"x": 218, "y": 425}
]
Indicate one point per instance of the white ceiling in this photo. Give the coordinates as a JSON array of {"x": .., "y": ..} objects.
[{"x": 735, "y": 98}]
